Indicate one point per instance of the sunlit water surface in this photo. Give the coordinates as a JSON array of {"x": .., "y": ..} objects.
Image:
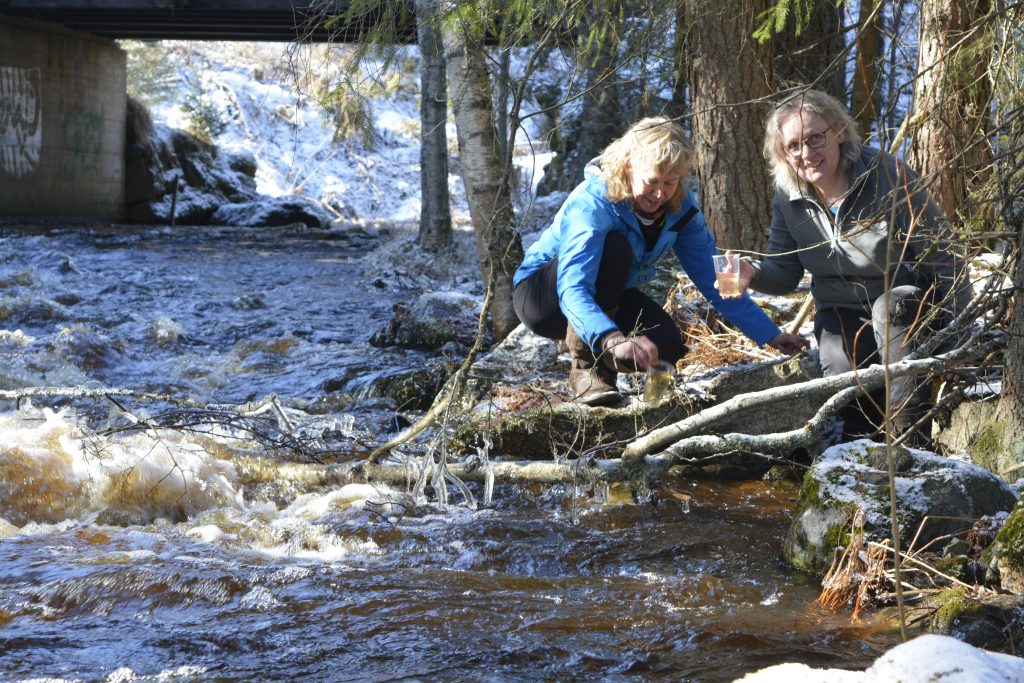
[{"x": 157, "y": 555}]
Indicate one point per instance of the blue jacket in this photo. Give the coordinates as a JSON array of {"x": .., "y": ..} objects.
[{"x": 576, "y": 237}]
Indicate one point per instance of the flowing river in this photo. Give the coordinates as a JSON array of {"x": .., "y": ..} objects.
[{"x": 194, "y": 555}]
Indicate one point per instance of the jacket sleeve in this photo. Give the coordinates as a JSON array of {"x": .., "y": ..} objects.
[
  {"x": 694, "y": 246},
  {"x": 936, "y": 255},
  {"x": 780, "y": 271},
  {"x": 584, "y": 229}
]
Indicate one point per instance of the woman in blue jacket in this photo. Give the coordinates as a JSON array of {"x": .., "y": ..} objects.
[{"x": 580, "y": 281}]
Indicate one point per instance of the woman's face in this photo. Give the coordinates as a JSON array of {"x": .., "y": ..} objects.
[
  {"x": 811, "y": 148},
  {"x": 651, "y": 189}
]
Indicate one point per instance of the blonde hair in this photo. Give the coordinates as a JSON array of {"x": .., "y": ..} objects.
[
  {"x": 831, "y": 111},
  {"x": 654, "y": 143}
]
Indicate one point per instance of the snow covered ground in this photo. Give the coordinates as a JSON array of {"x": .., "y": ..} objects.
[
  {"x": 926, "y": 659},
  {"x": 264, "y": 92}
]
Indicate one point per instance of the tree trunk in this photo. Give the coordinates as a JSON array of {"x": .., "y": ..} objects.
[
  {"x": 487, "y": 181},
  {"x": 435, "y": 209},
  {"x": 814, "y": 56},
  {"x": 677, "y": 107},
  {"x": 602, "y": 119},
  {"x": 582, "y": 139},
  {"x": 501, "y": 103},
  {"x": 730, "y": 81},
  {"x": 866, "y": 96},
  {"x": 1011, "y": 402},
  {"x": 894, "y": 82},
  {"x": 952, "y": 94}
]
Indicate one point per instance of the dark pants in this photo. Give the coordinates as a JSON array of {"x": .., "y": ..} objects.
[
  {"x": 849, "y": 339},
  {"x": 535, "y": 300}
]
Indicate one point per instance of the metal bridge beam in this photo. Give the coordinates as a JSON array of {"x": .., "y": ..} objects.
[{"x": 281, "y": 20}]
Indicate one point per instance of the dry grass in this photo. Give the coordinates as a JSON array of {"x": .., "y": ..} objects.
[{"x": 711, "y": 341}]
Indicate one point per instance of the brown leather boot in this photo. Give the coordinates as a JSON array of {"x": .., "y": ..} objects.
[{"x": 592, "y": 383}]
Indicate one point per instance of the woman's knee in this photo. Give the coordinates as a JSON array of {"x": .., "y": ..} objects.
[{"x": 900, "y": 306}]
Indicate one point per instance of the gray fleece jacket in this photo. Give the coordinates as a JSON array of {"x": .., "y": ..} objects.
[{"x": 887, "y": 232}]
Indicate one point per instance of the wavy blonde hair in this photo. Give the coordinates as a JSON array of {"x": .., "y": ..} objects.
[
  {"x": 831, "y": 111},
  {"x": 654, "y": 143}
]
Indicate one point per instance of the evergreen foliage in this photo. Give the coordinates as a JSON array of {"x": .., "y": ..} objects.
[{"x": 151, "y": 76}]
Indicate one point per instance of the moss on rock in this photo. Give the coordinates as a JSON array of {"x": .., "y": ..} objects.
[
  {"x": 987, "y": 446},
  {"x": 955, "y": 604},
  {"x": 820, "y": 526},
  {"x": 1006, "y": 554}
]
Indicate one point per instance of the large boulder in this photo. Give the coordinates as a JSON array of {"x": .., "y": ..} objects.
[
  {"x": 436, "y": 319},
  {"x": 854, "y": 476},
  {"x": 174, "y": 177},
  {"x": 273, "y": 212},
  {"x": 521, "y": 353}
]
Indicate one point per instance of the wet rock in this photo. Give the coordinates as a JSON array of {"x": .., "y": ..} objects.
[
  {"x": 165, "y": 332},
  {"x": 991, "y": 622},
  {"x": 28, "y": 277},
  {"x": 398, "y": 422},
  {"x": 404, "y": 388},
  {"x": 522, "y": 352},
  {"x": 86, "y": 348},
  {"x": 436, "y": 319},
  {"x": 27, "y": 310},
  {"x": 853, "y": 476},
  {"x": 249, "y": 302},
  {"x": 67, "y": 298},
  {"x": 273, "y": 212},
  {"x": 1005, "y": 556}
]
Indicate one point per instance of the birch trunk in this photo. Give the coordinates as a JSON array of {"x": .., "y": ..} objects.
[{"x": 487, "y": 180}]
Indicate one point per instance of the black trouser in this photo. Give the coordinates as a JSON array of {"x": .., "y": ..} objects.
[
  {"x": 535, "y": 300},
  {"x": 849, "y": 339}
]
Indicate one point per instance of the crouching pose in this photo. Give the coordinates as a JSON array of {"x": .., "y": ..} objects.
[
  {"x": 885, "y": 269},
  {"x": 580, "y": 281}
]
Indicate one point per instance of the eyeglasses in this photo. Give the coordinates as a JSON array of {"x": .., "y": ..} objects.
[{"x": 813, "y": 141}]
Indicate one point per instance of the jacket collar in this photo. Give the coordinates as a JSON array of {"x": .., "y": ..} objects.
[{"x": 596, "y": 187}]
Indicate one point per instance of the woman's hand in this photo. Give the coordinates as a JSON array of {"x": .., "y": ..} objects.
[
  {"x": 788, "y": 343},
  {"x": 746, "y": 275},
  {"x": 639, "y": 352}
]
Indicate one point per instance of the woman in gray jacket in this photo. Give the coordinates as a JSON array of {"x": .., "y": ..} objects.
[{"x": 875, "y": 243}]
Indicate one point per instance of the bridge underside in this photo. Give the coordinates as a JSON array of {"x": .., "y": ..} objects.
[{"x": 277, "y": 20}]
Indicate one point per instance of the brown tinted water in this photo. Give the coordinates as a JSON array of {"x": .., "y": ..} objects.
[{"x": 153, "y": 556}]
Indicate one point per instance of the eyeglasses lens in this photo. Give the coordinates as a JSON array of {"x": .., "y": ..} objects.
[{"x": 816, "y": 141}]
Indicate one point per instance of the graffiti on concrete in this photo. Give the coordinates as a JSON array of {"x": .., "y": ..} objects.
[
  {"x": 83, "y": 141},
  {"x": 21, "y": 127}
]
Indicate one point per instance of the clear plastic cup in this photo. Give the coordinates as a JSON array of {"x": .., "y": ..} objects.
[
  {"x": 660, "y": 377},
  {"x": 727, "y": 270}
]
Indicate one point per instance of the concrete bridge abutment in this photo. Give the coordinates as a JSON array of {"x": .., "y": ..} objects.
[{"x": 62, "y": 122}]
